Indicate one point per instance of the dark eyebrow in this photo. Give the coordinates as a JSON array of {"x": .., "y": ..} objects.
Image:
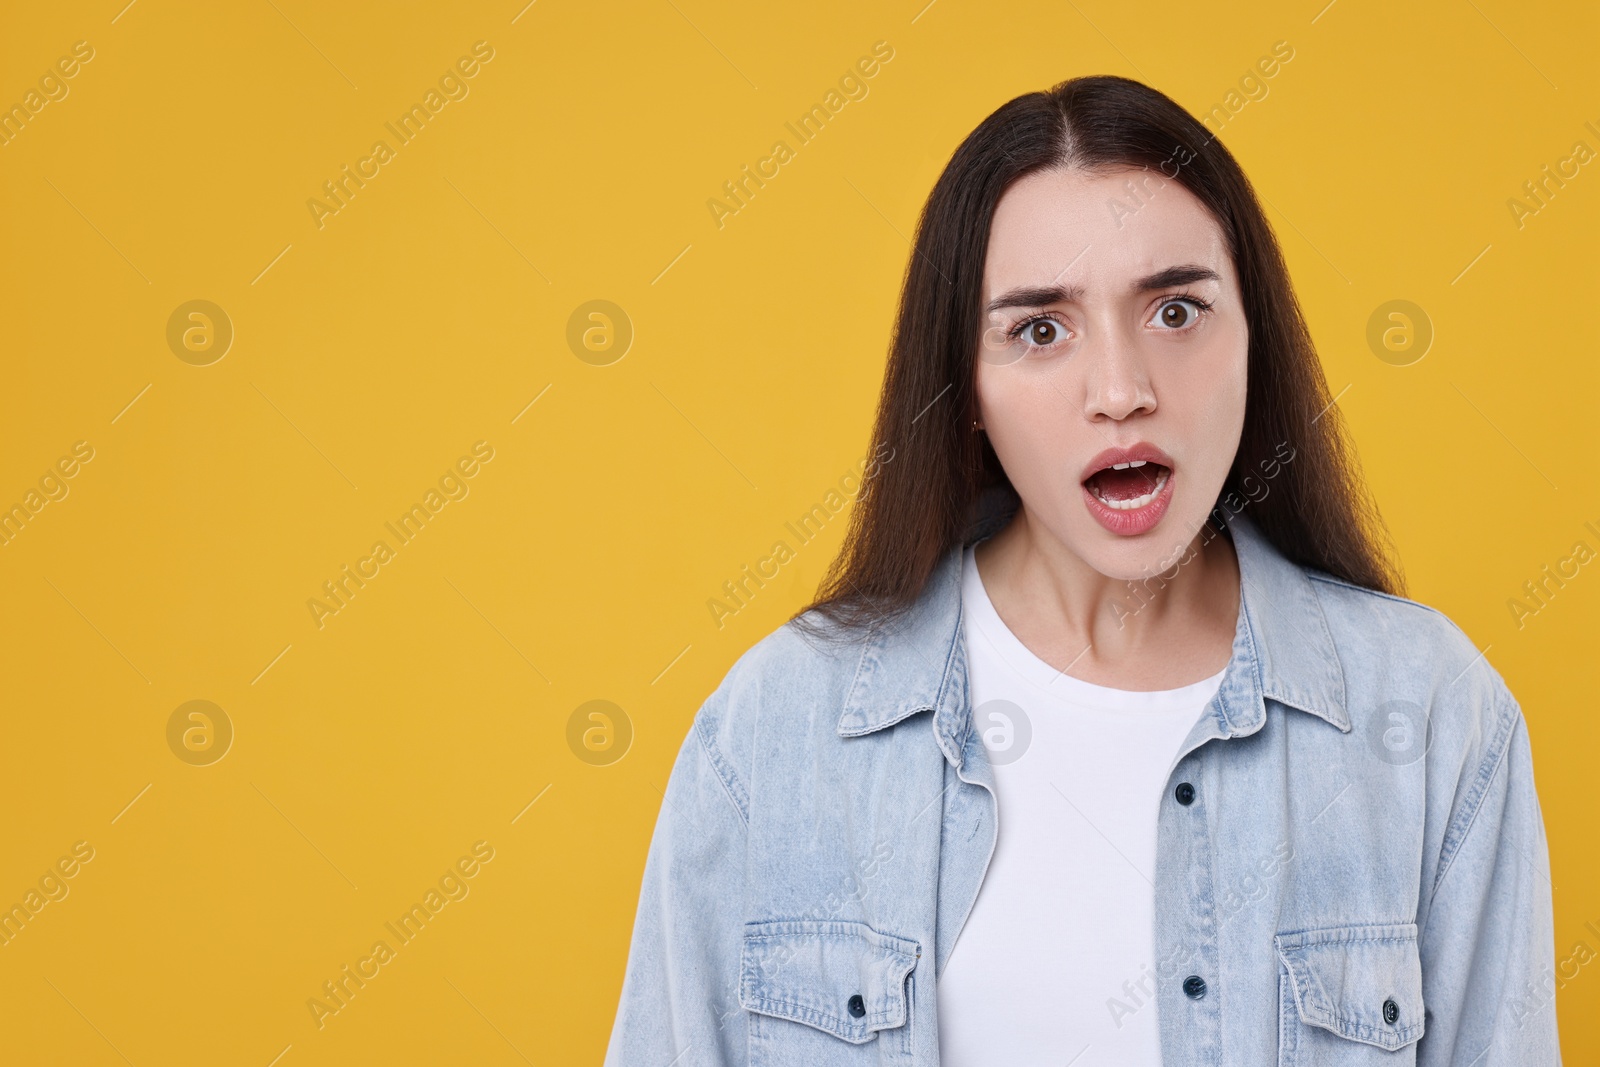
[{"x": 1039, "y": 296}]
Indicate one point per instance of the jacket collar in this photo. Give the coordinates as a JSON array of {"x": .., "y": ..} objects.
[{"x": 1282, "y": 651}]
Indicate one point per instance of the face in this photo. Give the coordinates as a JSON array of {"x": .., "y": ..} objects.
[{"x": 1111, "y": 373}]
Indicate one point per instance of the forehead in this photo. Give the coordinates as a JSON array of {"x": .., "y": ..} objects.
[{"x": 1071, "y": 227}]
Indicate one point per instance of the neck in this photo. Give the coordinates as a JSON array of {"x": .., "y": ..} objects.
[{"x": 1157, "y": 631}]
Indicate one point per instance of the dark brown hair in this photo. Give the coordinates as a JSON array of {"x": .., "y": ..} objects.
[{"x": 922, "y": 501}]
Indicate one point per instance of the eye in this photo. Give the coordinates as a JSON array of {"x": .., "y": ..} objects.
[
  {"x": 1039, "y": 332},
  {"x": 1181, "y": 313}
]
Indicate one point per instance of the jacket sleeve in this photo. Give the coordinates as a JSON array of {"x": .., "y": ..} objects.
[
  {"x": 1487, "y": 943},
  {"x": 680, "y": 1003}
]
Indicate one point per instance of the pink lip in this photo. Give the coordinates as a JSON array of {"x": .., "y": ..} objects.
[
  {"x": 1129, "y": 523},
  {"x": 1112, "y": 456}
]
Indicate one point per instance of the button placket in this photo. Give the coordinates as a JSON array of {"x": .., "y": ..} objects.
[
  {"x": 1186, "y": 912},
  {"x": 1194, "y": 987}
]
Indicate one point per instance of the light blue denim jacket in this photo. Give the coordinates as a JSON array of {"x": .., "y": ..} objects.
[{"x": 1360, "y": 876}]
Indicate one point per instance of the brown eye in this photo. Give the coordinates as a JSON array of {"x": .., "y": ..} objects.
[
  {"x": 1042, "y": 332},
  {"x": 1178, "y": 314}
]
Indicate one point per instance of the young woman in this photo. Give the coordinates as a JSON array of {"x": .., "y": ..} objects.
[{"x": 1110, "y": 738}]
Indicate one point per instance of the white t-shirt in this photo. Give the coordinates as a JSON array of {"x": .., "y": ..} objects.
[{"x": 1056, "y": 963}]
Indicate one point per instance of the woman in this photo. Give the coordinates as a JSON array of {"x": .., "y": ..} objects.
[{"x": 1109, "y": 738}]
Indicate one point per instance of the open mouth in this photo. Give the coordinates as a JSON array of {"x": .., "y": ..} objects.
[
  {"x": 1128, "y": 490},
  {"x": 1128, "y": 486}
]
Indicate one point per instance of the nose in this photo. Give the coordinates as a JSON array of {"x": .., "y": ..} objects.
[{"x": 1118, "y": 380}]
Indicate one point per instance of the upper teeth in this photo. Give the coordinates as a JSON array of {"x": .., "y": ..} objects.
[{"x": 1125, "y": 466}]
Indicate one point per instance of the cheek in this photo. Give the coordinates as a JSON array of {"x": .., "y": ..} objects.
[
  {"x": 1033, "y": 429},
  {"x": 1223, "y": 414},
  {"x": 1016, "y": 410},
  {"x": 1231, "y": 396},
  {"x": 1208, "y": 401},
  {"x": 1210, "y": 387}
]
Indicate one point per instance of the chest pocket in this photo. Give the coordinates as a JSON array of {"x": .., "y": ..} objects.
[
  {"x": 1350, "y": 996},
  {"x": 826, "y": 992}
]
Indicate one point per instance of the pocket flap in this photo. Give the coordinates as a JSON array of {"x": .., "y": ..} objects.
[
  {"x": 1361, "y": 982},
  {"x": 812, "y": 971}
]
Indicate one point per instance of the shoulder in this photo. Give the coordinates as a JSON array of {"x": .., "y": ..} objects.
[
  {"x": 794, "y": 680},
  {"x": 1388, "y": 634},
  {"x": 1351, "y": 603},
  {"x": 1400, "y": 654},
  {"x": 793, "y": 660}
]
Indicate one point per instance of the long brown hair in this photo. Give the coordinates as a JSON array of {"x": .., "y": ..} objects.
[{"x": 921, "y": 501}]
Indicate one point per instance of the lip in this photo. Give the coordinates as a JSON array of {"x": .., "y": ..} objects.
[
  {"x": 1112, "y": 456},
  {"x": 1129, "y": 523}
]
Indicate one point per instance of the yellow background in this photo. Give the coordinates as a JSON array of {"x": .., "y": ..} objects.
[{"x": 432, "y": 309}]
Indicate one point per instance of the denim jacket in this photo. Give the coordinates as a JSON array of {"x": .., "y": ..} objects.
[{"x": 1359, "y": 876}]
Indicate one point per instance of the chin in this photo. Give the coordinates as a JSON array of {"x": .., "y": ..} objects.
[{"x": 1146, "y": 555}]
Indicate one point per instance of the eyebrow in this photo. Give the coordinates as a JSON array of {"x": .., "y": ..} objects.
[{"x": 1040, "y": 295}]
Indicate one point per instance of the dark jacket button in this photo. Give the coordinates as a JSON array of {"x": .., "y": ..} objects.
[
  {"x": 1391, "y": 1011},
  {"x": 1194, "y": 987},
  {"x": 858, "y": 1007},
  {"x": 1184, "y": 793}
]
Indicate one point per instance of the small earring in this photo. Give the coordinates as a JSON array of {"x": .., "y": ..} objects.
[{"x": 975, "y": 426}]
